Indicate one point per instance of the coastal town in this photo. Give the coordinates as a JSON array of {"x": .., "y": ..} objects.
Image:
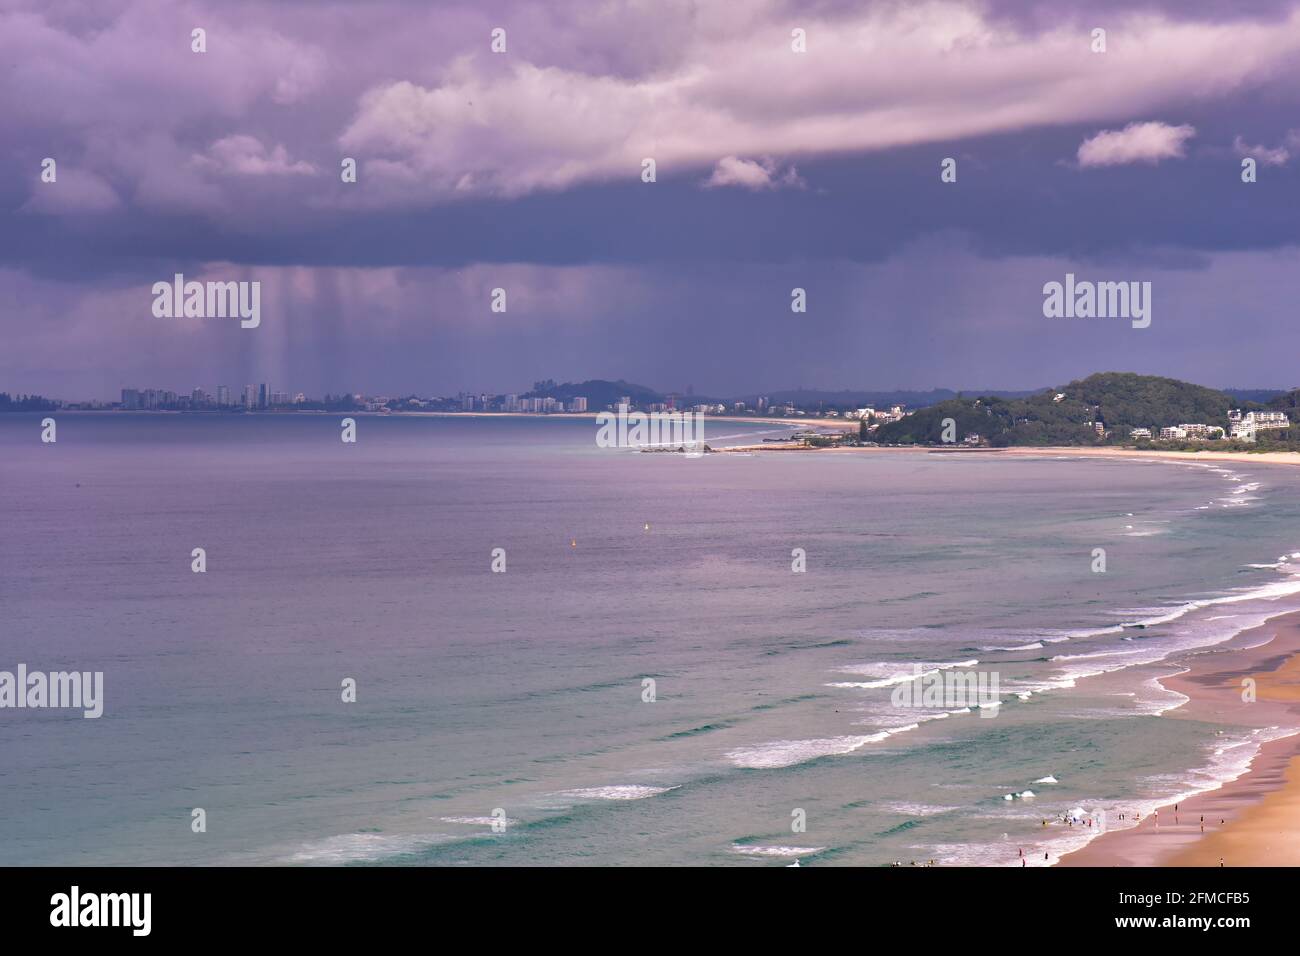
[{"x": 1105, "y": 409}]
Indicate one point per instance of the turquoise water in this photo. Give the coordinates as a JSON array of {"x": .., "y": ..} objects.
[{"x": 522, "y": 692}]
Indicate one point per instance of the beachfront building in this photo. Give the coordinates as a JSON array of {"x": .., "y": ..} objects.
[
  {"x": 880, "y": 415},
  {"x": 1191, "y": 432},
  {"x": 1140, "y": 433},
  {"x": 1261, "y": 420},
  {"x": 1244, "y": 425},
  {"x": 1264, "y": 421}
]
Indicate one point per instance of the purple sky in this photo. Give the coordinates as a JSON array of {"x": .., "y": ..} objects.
[{"x": 522, "y": 170}]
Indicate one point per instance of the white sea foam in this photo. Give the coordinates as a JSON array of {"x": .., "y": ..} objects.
[
  {"x": 351, "y": 847},
  {"x": 787, "y": 753},
  {"x": 786, "y": 851},
  {"x": 887, "y": 675},
  {"x": 918, "y": 809},
  {"x": 477, "y": 821},
  {"x": 1036, "y": 645},
  {"x": 623, "y": 791},
  {"x": 1125, "y": 652},
  {"x": 1162, "y": 699}
]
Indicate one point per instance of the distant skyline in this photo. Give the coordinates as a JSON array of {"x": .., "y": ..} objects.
[
  {"x": 522, "y": 171},
  {"x": 237, "y": 389}
]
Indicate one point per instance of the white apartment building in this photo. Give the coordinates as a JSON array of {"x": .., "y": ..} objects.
[
  {"x": 1245, "y": 425},
  {"x": 1193, "y": 431}
]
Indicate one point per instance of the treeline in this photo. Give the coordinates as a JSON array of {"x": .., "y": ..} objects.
[
  {"x": 26, "y": 403},
  {"x": 597, "y": 392}
]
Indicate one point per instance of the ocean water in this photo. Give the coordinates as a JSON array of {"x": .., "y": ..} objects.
[{"x": 519, "y": 695}]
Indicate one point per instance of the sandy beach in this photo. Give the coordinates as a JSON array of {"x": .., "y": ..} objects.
[
  {"x": 1255, "y": 819},
  {"x": 1240, "y": 457}
]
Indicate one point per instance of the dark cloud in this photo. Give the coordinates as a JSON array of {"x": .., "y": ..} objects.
[{"x": 227, "y": 166}]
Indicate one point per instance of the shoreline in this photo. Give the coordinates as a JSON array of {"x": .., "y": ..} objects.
[
  {"x": 1254, "y": 818},
  {"x": 1241, "y": 457},
  {"x": 1053, "y": 451}
]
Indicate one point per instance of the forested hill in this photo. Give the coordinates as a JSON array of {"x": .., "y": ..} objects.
[{"x": 1064, "y": 416}]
